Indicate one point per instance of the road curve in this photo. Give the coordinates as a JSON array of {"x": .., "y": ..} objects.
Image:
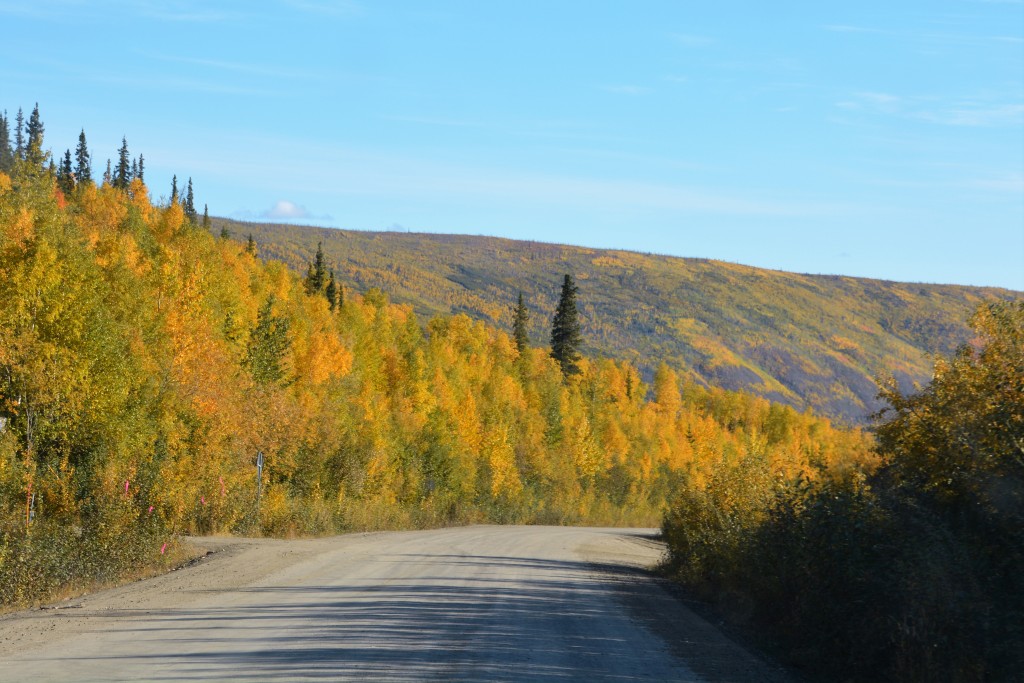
[{"x": 478, "y": 603}]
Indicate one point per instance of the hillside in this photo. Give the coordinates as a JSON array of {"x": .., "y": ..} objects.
[{"x": 806, "y": 340}]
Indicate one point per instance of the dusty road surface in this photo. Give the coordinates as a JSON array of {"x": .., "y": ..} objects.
[{"x": 471, "y": 604}]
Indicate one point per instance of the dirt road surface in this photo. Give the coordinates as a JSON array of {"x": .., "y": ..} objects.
[{"x": 470, "y": 604}]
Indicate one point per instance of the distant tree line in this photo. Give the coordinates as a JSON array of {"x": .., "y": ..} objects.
[{"x": 21, "y": 151}]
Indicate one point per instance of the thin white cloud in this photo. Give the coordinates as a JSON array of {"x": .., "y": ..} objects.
[
  {"x": 240, "y": 67},
  {"x": 976, "y": 115},
  {"x": 929, "y": 37},
  {"x": 1013, "y": 183},
  {"x": 968, "y": 113}
]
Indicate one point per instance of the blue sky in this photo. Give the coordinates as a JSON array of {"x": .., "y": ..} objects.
[{"x": 878, "y": 139}]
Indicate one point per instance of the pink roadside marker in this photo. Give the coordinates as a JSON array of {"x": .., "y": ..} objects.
[
  {"x": 203, "y": 499},
  {"x": 163, "y": 548},
  {"x": 150, "y": 509},
  {"x": 126, "y": 486}
]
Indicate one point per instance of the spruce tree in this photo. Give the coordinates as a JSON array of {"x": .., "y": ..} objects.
[
  {"x": 34, "y": 153},
  {"x": 268, "y": 345},
  {"x": 331, "y": 292},
  {"x": 174, "y": 189},
  {"x": 83, "y": 161},
  {"x": 520, "y": 325},
  {"x": 108, "y": 177},
  {"x": 123, "y": 174},
  {"x": 19, "y": 135},
  {"x": 66, "y": 175},
  {"x": 142, "y": 169},
  {"x": 566, "y": 335},
  {"x": 316, "y": 274},
  {"x": 190, "y": 204},
  {"x": 6, "y": 152},
  {"x": 206, "y": 222},
  {"x": 250, "y": 246}
]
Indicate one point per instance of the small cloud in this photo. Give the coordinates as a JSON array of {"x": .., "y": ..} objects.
[
  {"x": 626, "y": 89},
  {"x": 285, "y": 210}
]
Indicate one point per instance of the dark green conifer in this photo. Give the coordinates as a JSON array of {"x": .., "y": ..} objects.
[
  {"x": 66, "y": 175},
  {"x": 19, "y": 135},
  {"x": 520, "y": 325},
  {"x": 250, "y": 246},
  {"x": 6, "y": 152},
  {"x": 142, "y": 169},
  {"x": 331, "y": 292},
  {"x": 206, "y": 223},
  {"x": 123, "y": 174},
  {"x": 174, "y": 189},
  {"x": 190, "y": 204},
  {"x": 83, "y": 161},
  {"x": 268, "y": 344},
  {"x": 108, "y": 177},
  {"x": 316, "y": 274},
  {"x": 34, "y": 153},
  {"x": 566, "y": 335}
]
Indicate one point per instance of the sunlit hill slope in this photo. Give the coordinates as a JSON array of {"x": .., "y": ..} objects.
[{"x": 806, "y": 340}]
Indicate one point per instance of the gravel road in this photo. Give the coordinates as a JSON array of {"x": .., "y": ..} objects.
[{"x": 478, "y": 603}]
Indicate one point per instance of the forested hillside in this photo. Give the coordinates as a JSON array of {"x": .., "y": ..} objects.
[
  {"x": 806, "y": 340},
  {"x": 146, "y": 367}
]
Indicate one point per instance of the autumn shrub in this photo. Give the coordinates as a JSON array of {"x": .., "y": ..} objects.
[
  {"x": 53, "y": 556},
  {"x": 909, "y": 574}
]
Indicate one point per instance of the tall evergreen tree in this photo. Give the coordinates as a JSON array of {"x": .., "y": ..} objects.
[
  {"x": 123, "y": 174},
  {"x": 566, "y": 335},
  {"x": 250, "y": 246},
  {"x": 83, "y": 160},
  {"x": 206, "y": 221},
  {"x": 142, "y": 168},
  {"x": 34, "y": 153},
  {"x": 66, "y": 175},
  {"x": 108, "y": 176},
  {"x": 316, "y": 274},
  {"x": 174, "y": 189},
  {"x": 331, "y": 292},
  {"x": 190, "y": 204},
  {"x": 268, "y": 344},
  {"x": 19, "y": 135},
  {"x": 6, "y": 152},
  {"x": 520, "y": 325}
]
